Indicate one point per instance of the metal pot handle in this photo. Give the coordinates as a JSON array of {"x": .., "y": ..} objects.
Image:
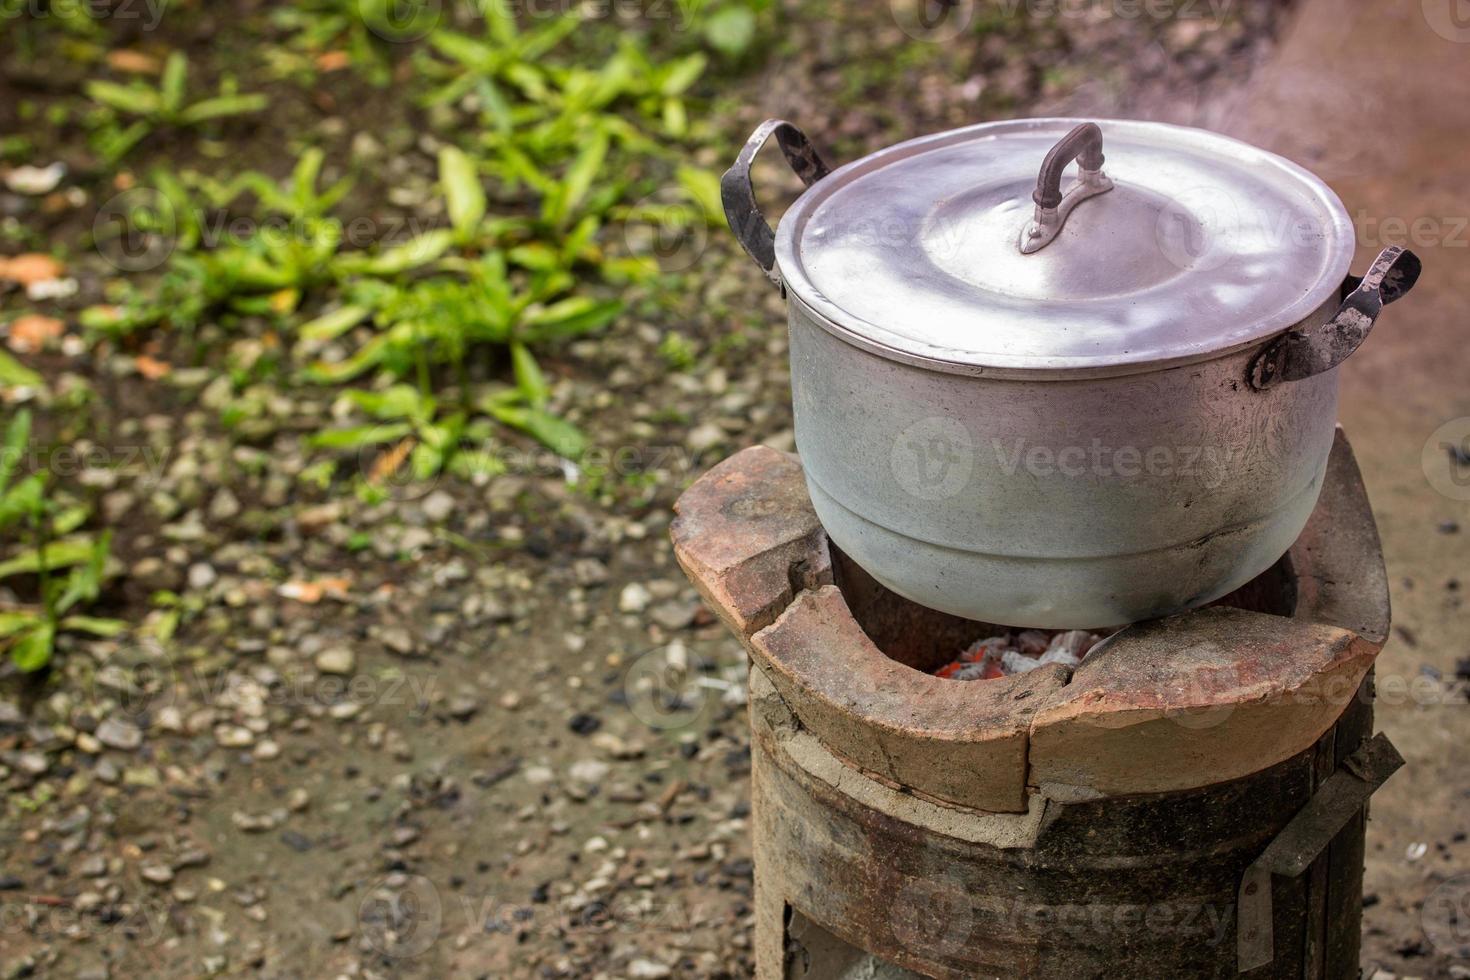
[
  {"x": 1304, "y": 352},
  {"x": 738, "y": 196},
  {"x": 1083, "y": 144}
]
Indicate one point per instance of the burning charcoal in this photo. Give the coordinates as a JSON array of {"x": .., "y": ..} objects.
[
  {"x": 979, "y": 661},
  {"x": 976, "y": 672},
  {"x": 1006, "y": 654},
  {"x": 990, "y": 647}
]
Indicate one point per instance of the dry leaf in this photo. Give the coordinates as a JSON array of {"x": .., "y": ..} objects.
[
  {"x": 30, "y": 268},
  {"x": 313, "y": 591},
  {"x": 388, "y": 463},
  {"x": 133, "y": 62},
  {"x": 333, "y": 60},
  {"x": 151, "y": 367},
  {"x": 284, "y": 300},
  {"x": 31, "y": 332},
  {"x": 313, "y": 519}
]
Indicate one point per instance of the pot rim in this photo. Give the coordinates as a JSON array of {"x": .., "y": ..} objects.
[
  {"x": 1339, "y": 246},
  {"x": 1047, "y": 372}
]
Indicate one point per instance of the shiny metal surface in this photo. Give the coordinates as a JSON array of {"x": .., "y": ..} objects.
[
  {"x": 1059, "y": 504},
  {"x": 1205, "y": 245}
]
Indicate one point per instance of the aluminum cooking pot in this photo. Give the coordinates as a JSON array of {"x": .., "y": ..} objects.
[{"x": 1063, "y": 408}]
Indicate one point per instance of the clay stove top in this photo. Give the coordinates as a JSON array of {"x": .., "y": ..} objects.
[{"x": 1226, "y": 690}]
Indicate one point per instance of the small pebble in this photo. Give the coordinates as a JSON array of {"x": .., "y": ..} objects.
[
  {"x": 584, "y": 724},
  {"x": 399, "y": 640},
  {"x": 336, "y": 660},
  {"x": 634, "y": 598},
  {"x": 35, "y": 181},
  {"x": 202, "y": 576},
  {"x": 118, "y": 734},
  {"x": 463, "y": 707},
  {"x": 159, "y": 874},
  {"x": 438, "y": 506}
]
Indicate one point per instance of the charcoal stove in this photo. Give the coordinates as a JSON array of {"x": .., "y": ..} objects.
[{"x": 1189, "y": 802}]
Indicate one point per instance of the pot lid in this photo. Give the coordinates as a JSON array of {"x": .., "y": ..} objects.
[{"x": 956, "y": 251}]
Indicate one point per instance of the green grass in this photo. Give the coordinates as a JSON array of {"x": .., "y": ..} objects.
[
  {"x": 553, "y": 137},
  {"x": 68, "y": 566}
]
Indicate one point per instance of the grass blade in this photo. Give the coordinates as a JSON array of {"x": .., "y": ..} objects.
[
  {"x": 221, "y": 107},
  {"x": 33, "y": 650},
  {"x": 57, "y": 554},
  {"x": 411, "y": 254},
  {"x": 171, "y": 87},
  {"x": 17, "y": 434},
  {"x": 135, "y": 100},
  {"x": 463, "y": 195},
  {"x": 330, "y": 326},
  {"x": 529, "y": 378},
  {"x": 12, "y": 372}
]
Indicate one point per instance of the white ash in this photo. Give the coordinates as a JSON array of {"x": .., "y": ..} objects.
[{"x": 1017, "y": 653}]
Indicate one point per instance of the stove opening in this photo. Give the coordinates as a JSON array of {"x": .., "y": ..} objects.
[{"x": 931, "y": 641}]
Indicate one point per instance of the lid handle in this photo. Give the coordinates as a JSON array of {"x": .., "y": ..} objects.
[
  {"x": 1083, "y": 144},
  {"x": 738, "y": 196}
]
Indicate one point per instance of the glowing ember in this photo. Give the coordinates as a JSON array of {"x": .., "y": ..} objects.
[{"x": 1015, "y": 653}]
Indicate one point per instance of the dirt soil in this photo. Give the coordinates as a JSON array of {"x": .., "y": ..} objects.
[
  {"x": 488, "y": 730},
  {"x": 1405, "y": 403}
]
